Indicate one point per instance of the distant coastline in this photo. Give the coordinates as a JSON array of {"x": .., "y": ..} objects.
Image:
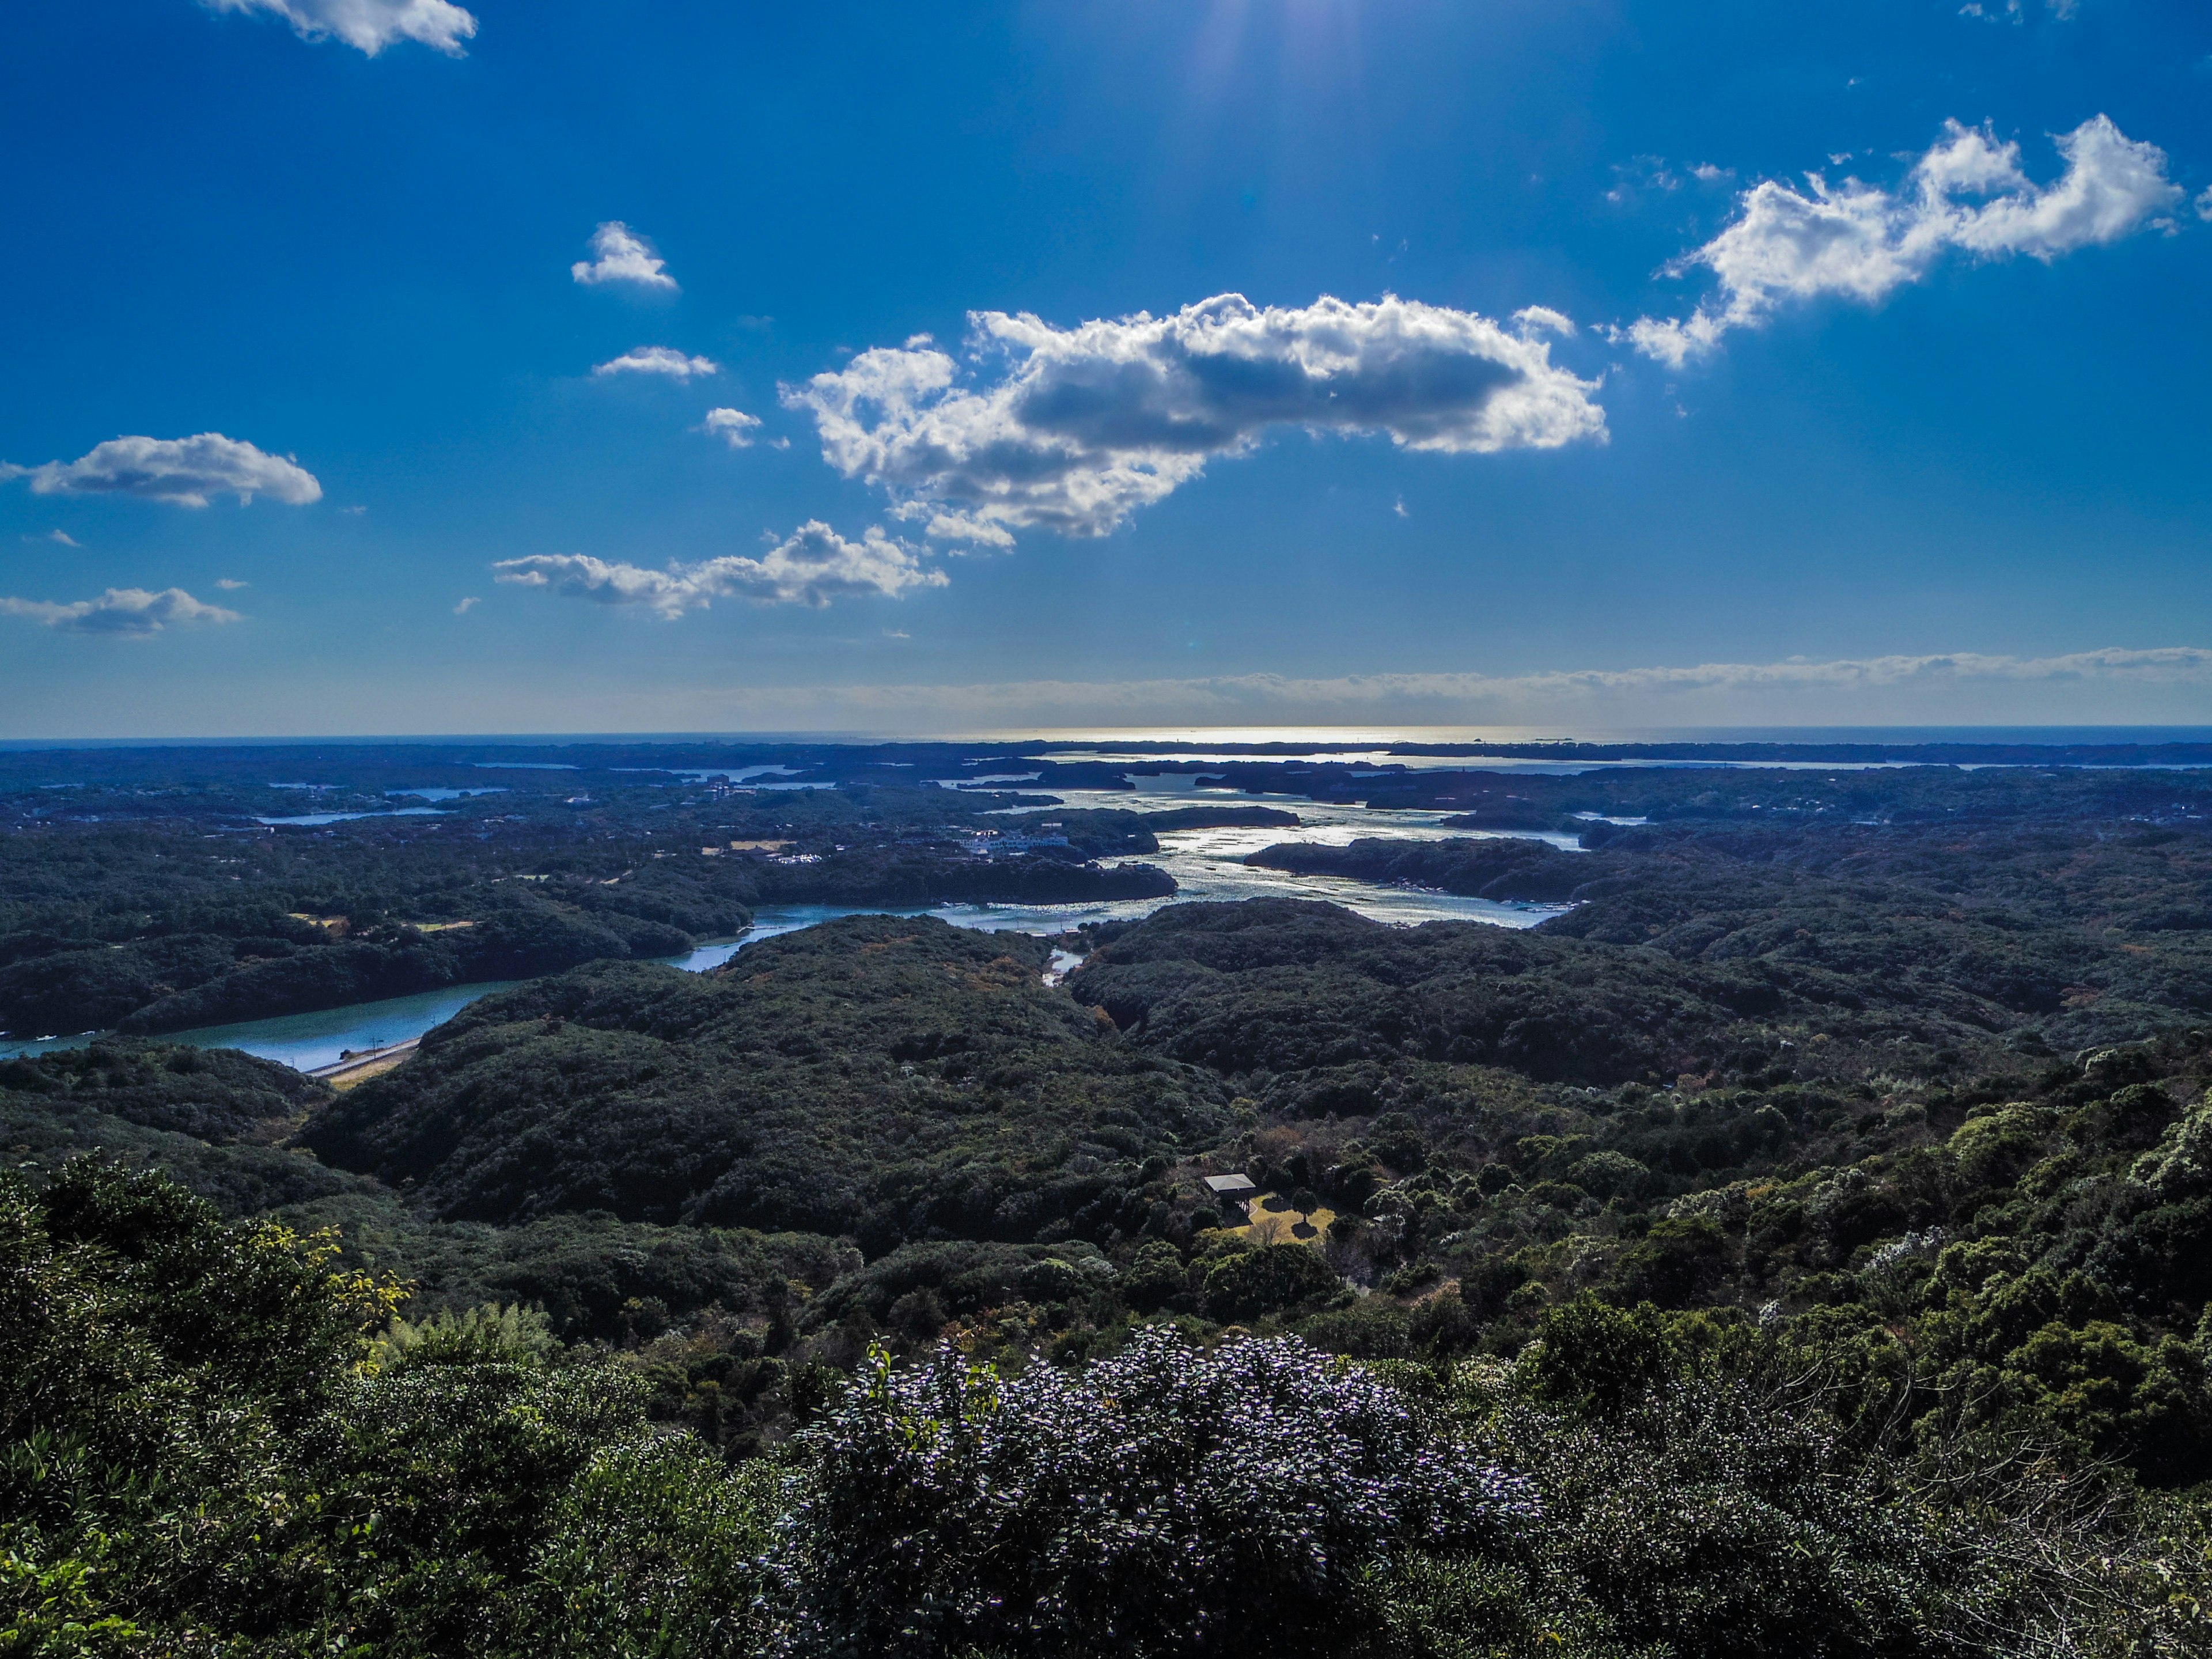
[{"x": 1413, "y": 739}]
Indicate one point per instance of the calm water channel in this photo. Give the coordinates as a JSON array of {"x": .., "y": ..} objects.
[{"x": 1207, "y": 863}]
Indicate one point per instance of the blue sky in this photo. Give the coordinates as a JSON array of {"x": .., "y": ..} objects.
[{"x": 1558, "y": 394}]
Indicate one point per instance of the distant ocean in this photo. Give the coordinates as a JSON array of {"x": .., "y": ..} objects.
[
  {"x": 1385, "y": 736},
  {"x": 1316, "y": 737}
]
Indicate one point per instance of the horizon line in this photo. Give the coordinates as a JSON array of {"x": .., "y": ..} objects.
[{"x": 2037, "y": 734}]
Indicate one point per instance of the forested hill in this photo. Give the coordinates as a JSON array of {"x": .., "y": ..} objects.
[
  {"x": 891, "y": 1078},
  {"x": 165, "y": 923},
  {"x": 2068, "y": 935}
]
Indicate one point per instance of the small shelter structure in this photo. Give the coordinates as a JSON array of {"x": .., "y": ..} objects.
[{"x": 1233, "y": 1192}]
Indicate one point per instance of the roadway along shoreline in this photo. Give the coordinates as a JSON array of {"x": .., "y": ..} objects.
[{"x": 359, "y": 1068}]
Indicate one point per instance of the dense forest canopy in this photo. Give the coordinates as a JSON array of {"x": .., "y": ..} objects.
[
  {"x": 1799, "y": 1245},
  {"x": 889, "y": 1078}
]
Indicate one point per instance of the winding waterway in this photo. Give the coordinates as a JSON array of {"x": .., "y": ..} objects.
[{"x": 1207, "y": 863}]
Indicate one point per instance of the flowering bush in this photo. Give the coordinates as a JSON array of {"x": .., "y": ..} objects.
[{"x": 1167, "y": 1499}]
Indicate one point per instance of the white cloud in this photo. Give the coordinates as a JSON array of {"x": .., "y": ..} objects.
[
  {"x": 733, "y": 426},
  {"x": 623, "y": 257},
  {"x": 1073, "y": 429},
  {"x": 371, "y": 25},
  {"x": 128, "y": 611},
  {"x": 467, "y": 606},
  {"x": 658, "y": 360},
  {"x": 945, "y": 525},
  {"x": 61, "y": 537},
  {"x": 811, "y": 567},
  {"x": 228, "y": 585},
  {"x": 186, "y": 470},
  {"x": 1532, "y": 317},
  {"x": 2204, "y": 204},
  {"x": 1859, "y": 240}
]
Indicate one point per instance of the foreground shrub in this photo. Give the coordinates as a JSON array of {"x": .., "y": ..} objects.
[
  {"x": 1698, "y": 1496},
  {"x": 202, "y": 1453},
  {"x": 655, "y": 1550},
  {"x": 1166, "y": 1500}
]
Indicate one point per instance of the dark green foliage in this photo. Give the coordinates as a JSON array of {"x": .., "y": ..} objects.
[
  {"x": 201, "y": 1451},
  {"x": 964, "y": 1279},
  {"x": 1155, "y": 1278},
  {"x": 1709, "y": 1522},
  {"x": 194, "y": 1457},
  {"x": 1283, "y": 985},
  {"x": 236, "y": 1305},
  {"x": 240, "y": 1178},
  {"x": 157, "y": 930},
  {"x": 585, "y": 1271},
  {"x": 1271, "y": 1280},
  {"x": 894, "y": 1079},
  {"x": 2084, "y": 1208},
  {"x": 2083, "y": 932},
  {"x": 655, "y": 1550},
  {"x": 2035, "y": 1271},
  {"x": 592, "y": 1275},
  {"x": 1698, "y": 1496},
  {"x": 1681, "y": 1262},
  {"x": 216, "y": 1095},
  {"x": 1601, "y": 1358}
]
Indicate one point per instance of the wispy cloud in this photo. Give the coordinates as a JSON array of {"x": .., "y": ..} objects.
[
  {"x": 1640, "y": 175},
  {"x": 2119, "y": 681},
  {"x": 61, "y": 536},
  {"x": 2015, "y": 11},
  {"x": 658, "y": 360},
  {"x": 811, "y": 567},
  {"x": 1073, "y": 429},
  {"x": 1966, "y": 194},
  {"x": 733, "y": 426},
  {"x": 623, "y": 256},
  {"x": 127, "y": 612},
  {"x": 467, "y": 606},
  {"x": 184, "y": 470},
  {"x": 370, "y": 25},
  {"x": 230, "y": 585}
]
